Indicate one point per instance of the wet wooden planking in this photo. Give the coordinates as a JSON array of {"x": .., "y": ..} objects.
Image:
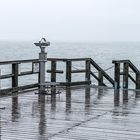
[{"x": 77, "y": 113}]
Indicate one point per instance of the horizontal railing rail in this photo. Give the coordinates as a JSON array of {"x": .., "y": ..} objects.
[{"x": 18, "y": 61}]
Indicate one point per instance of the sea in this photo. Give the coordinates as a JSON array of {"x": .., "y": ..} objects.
[{"x": 101, "y": 52}]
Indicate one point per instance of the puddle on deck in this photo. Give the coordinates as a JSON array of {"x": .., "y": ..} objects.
[{"x": 77, "y": 114}]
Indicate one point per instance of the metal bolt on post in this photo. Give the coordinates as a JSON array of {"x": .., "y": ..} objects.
[{"x": 42, "y": 60}]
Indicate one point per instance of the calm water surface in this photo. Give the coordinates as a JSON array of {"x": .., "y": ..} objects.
[{"x": 103, "y": 53}]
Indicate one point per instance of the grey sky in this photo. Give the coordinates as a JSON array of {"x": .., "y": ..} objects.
[{"x": 70, "y": 20}]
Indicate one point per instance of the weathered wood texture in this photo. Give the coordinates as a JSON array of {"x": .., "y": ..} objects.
[
  {"x": 53, "y": 71},
  {"x": 87, "y": 70},
  {"x": 137, "y": 80},
  {"x": 127, "y": 64},
  {"x": 15, "y": 75},
  {"x": 68, "y": 71},
  {"x": 76, "y": 114},
  {"x": 117, "y": 75},
  {"x": 125, "y": 76}
]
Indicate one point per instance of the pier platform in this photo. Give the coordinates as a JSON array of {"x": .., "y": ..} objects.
[{"x": 78, "y": 113}]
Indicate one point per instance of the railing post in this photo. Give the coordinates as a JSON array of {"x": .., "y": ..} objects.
[
  {"x": 137, "y": 80},
  {"x": 53, "y": 78},
  {"x": 125, "y": 75},
  {"x": 68, "y": 72},
  {"x": 88, "y": 70},
  {"x": 15, "y": 75},
  {"x": 53, "y": 71},
  {"x": 100, "y": 77},
  {"x": 117, "y": 76}
]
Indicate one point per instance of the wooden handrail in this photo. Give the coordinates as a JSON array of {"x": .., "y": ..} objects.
[
  {"x": 127, "y": 64},
  {"x": 102, "y": 71},
  {"x": 18, "y": 61},
  {"x": 131, "y": 65}
]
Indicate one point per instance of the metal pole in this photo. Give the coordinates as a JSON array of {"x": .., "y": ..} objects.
[{"x": 42, "y": 60}]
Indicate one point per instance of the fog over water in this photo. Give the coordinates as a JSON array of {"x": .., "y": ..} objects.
[{"x": 73, "y": 20}]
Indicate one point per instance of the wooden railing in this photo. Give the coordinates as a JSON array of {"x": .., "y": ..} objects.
[
  {"x": 101, "y": 74},
  {"x": 68, "y": 70},
  {"x": 127, "y": 65},
  {"x": 15, "y": 74},
  {"x": 102, "y": 77},
  {"x": 87, "y": 70}
]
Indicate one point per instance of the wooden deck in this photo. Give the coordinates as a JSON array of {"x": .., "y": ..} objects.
[{"x": 77, "y": 114}]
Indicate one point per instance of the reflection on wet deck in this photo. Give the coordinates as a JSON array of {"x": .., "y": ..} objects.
[{"x": 77, "y": 114}]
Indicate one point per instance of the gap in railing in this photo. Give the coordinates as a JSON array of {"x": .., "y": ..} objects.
[
  {"x": 5, "y": 83},
  {"x": 27, "y": 79}
]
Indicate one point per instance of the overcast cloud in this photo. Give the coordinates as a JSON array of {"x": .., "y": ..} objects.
[{"x": 70, "y": 20}]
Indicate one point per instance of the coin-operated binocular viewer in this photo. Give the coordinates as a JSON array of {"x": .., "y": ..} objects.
[{"x": 42, "y": 60}]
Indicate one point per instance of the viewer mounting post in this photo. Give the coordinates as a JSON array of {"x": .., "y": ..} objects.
[{"x": 42, "y": 60}]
